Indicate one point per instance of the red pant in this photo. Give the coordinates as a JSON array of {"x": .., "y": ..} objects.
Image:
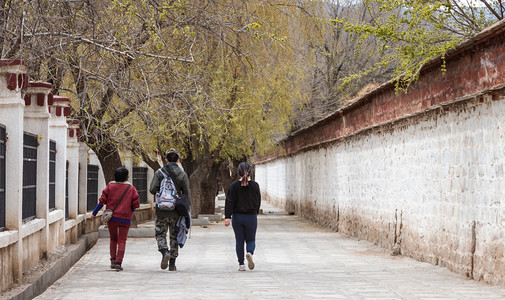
[{"x": 118, "y": 233}]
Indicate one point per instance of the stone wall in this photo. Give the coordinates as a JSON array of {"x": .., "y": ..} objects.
[
  {"x": 421, "y": 174},
  {"x": 61, "y": 216}
]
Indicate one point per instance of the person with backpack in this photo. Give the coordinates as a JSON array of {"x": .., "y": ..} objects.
[
  {"x": 242, "y": 206},
  {"x": 122, "y": 199},
  {"x": 169, "y": 181}
]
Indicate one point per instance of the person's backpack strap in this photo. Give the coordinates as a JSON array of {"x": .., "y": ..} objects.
[{"x": 164, "y": 172}]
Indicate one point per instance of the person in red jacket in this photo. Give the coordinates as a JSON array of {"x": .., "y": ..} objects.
[{"x": 120, "y": 222}]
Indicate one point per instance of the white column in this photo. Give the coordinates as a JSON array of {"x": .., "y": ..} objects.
[
  {"x": 60, "y": 109},
  {"x": 83, "y": 178},
  {"x": 150, "y": 175},
  {"x": 128, "y": 164},
  {"x": 12, "y": 79},
  {"x": 36, "y": 121},
  {"x": 72, "y": 179},
  {"x": 73, "y": 168},
  {"x": 93, "y": 160}
]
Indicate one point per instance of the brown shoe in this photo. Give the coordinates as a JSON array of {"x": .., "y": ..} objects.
[
  {"x": 172, "y": 266},
  {"x": 164, "y": 259}
]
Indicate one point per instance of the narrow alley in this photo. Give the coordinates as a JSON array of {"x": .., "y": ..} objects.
[{"x": 294, "y": 260}]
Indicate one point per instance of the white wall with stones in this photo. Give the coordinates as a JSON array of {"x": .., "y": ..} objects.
[{"x": 431, "y": 184}]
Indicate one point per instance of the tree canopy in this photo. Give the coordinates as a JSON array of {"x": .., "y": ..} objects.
[
  {"x": 409, "y": 33},
  {"x": 222, "y": 81}
]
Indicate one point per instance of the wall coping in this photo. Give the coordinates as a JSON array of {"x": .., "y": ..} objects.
[
  {"x": 55, "y": 216},
  {"x": 80, "y": 218},
  {"x": 8, "y": 237},
  {"x": 40, "y": 84},
  {"x": 309, "y": 147},
  {"x": 57, "y": 98},
  {"x": 483, "y": 36},
  {"x": 75, "y": 122},
  {"x": 60, "y": 106},
  {"x": 70, "y": 224},
  {"x": 474, "y": 69},
  {"x": 12, "y": 62},
  {"x": 32, "y": 226},
  {"x": 144, "y": 206}
]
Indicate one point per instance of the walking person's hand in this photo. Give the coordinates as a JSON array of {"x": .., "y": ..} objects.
[
  {"x": 92, "y": 217},
  {"x": 227, "y": 222}
]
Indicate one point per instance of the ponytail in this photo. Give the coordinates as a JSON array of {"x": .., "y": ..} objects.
[{"x": 243, "y": 170}]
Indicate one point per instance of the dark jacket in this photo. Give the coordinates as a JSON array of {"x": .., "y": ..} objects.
[
  {"x": 112, "y": 194},
  {"x": 242, "y": 199},
  {"x": 181, "y": 181}
]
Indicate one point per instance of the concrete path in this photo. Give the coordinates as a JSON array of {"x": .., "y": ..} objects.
[{"x": 294, "y": 260}]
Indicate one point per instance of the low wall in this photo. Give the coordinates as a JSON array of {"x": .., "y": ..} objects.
[
  {"x": 143, "y": 214},
  {"x": 7, "y": 276},
  {"x": 57, "y": 199},
  {"x": 31, "y": 250},
  {"x": 421, "y": 174}
]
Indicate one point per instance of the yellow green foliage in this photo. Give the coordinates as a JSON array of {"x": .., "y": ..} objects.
[{"x": 409, "y": 33}]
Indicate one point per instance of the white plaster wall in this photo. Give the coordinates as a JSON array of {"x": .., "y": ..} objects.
[
  {"x": 93, "y": 160},
  {"x": 73, "y": 176},
  {"x": 435, "y": 174}
]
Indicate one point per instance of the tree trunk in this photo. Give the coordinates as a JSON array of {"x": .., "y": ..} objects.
[
  {"x": 110, "y": 161},
  {"x": 208, "y": 187},
  {"x": 153, "y": 164},
  {"x": 228, "y": 173},
  {"x": 197, "y": 181},
  {"x": 196, "y": 193}
]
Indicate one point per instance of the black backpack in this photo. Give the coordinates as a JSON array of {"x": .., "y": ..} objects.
[{"x": 181, "y": 202}]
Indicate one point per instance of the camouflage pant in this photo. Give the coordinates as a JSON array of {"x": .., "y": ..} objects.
[{"x": 164, "y": 225}]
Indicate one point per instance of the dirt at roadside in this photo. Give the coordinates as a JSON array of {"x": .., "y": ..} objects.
[{"x": 34, "y": 273}]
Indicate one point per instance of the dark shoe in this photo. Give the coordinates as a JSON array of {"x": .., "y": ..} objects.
[
  {"x": 172, "y": 266},
  {"x": 118, "y": 267},
  {"x": 112, "y": 263},
  {"x": 164, "y": 259}
]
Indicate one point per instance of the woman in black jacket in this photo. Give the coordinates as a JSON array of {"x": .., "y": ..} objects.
[{"x": 242, "y": 206}]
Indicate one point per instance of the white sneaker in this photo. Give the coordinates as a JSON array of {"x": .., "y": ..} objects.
[
  {"x": 241, "y": 268},
  {"x": 250, "y": 262}
]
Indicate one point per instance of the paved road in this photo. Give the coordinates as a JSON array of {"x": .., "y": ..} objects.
[{"x": 294, "y": 260}]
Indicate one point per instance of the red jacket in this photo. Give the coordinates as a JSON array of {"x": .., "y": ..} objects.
[{"x": 111, "y": 195}]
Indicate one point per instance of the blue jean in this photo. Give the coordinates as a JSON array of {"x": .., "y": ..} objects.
[{"x": 244, "y": 227}]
